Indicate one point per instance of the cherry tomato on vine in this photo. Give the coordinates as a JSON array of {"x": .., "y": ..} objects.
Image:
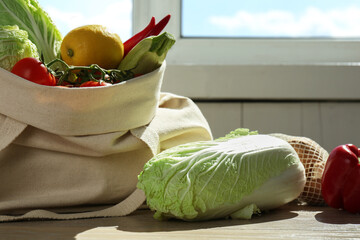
[{"x": 35, "y": 71}]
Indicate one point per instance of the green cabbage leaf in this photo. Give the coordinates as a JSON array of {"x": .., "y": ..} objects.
[
  {"x": 14, "y": 45},
  {"x": 235, "y": 176},
  {"x": 29, "y": 16}
]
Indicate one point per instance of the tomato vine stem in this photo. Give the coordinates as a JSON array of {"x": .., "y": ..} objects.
[{"x": 76, "y": 75}]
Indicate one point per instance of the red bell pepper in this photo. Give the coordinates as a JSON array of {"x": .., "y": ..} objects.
[{"x": 340, "y": 184}]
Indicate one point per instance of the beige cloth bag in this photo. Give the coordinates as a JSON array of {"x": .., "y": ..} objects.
[{"x": 76, "y": 153}]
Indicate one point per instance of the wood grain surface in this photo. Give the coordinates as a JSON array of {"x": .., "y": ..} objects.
[{"x": 288, "y": 222}]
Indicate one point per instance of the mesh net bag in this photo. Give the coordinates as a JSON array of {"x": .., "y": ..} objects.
[{"x": 313, "y": 157}]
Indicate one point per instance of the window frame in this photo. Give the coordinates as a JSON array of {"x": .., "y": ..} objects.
[{"x": 291, "y": 69}]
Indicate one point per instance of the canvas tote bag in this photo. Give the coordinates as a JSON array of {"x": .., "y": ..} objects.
[{"x": 76, "y": 153}]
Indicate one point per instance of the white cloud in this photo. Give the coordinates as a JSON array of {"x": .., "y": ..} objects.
[
  {"x": 116, "y": 16},
  {"x": 313, "y": 22}
]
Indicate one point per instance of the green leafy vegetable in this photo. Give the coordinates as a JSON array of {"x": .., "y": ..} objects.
[
  {"x": 148, "y": 54},
  {"x": 14, "y": 45},
  {"x": 234, "y": 177},
  {"x": 29, "y": 16}
]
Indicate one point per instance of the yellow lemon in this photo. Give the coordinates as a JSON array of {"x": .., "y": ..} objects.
[{"x": 92, "y": 44}]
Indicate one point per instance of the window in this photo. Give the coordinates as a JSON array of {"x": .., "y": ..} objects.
[
  {"x": 254, "y": 68},
  {"x": 248, "y": 50}
]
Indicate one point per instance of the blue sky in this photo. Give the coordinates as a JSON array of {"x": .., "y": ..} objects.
[
  {"x": 272, "y": 18},
  {"x": 255, "y": 18}
]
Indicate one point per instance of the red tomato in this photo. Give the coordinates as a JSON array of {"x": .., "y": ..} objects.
[
  {"x": 35, "y": 71},
  {"x": 94, "y": 84}
]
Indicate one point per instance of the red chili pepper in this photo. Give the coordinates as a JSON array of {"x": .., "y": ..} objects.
[
  {"x": 159, "y": 26},
  {"x": 131, "y": 42},
  {"x": 340, "y": 184},
  {"x": 151, "y": 29}
]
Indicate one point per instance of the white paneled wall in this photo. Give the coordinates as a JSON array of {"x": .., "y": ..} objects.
[{"x": 328, "y": 123}]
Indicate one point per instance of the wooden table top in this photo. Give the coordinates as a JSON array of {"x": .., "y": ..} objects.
[{"x": 288, "y": 222}]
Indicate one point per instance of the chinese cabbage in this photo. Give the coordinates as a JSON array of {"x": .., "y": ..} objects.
[{"x": 234, "y": 176}]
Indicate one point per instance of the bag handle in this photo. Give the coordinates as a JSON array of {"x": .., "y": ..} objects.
[
  {"x": 10, "y": 129},
  {"x": 124, "y": 208}
]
